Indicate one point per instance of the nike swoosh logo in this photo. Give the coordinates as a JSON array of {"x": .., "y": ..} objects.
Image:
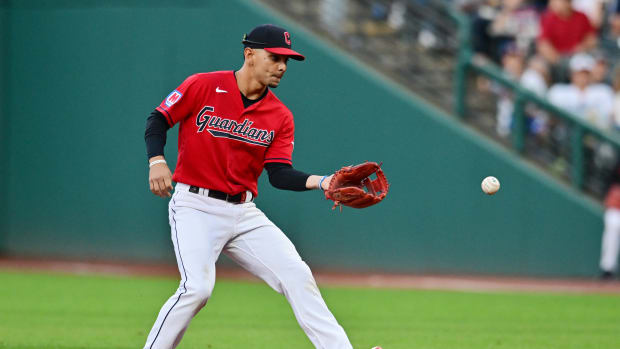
[{"x": 217, "y": 89}]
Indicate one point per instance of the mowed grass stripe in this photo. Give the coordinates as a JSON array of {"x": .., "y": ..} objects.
[{"x": 72, "y": 311}]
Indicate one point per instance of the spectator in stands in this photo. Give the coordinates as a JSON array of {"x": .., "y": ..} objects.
[
  {"x": 512, "y": 64},
  {"x": 499, "y": 23},
  {"x": 333, "y": 16},
  {"x": 593, "y": 9},
  {"x": 535, "y": 79},
  {"x": 564, "y": 32},
  {"x": 615, "y": 20},
  {"x": 600, "y": 72},
  {"x": 483, "y": 12},
  {"x": 590, "y": 101},
  {"x": 516, "y": 23},
  {"x": 610, "y": 37},
  {"x": 540, "y": 5}
]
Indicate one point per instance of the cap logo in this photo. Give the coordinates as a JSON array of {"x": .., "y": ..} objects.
[{"x": 287, "y": 38}]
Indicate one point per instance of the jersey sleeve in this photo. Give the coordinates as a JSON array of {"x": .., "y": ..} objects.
[
  {"x": 179, "y": 103},
  {"x": 281, "y": 148}
]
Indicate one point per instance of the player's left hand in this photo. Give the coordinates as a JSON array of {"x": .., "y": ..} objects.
[
  {"x": 351, "y": 186},
  {"x": 325, "y": 183}
]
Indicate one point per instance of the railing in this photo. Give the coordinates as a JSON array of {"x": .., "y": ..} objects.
[
  {"x": 583, "y": 136},
  {"x": 444, "y": 73}
]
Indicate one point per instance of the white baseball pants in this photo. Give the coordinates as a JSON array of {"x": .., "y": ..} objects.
[
  {"x": 201, "y": 228},
  {"x": 611, "y": 240}
]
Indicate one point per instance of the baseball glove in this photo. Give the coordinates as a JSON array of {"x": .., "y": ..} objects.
[{"x": 351, "y": 186}]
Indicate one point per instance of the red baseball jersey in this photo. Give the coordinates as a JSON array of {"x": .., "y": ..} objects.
[{"x": 222, "y": 145}]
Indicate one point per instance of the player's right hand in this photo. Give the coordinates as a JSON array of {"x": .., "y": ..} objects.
[{"x": 160, "y": 180}]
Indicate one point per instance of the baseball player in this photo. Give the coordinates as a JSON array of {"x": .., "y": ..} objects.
[
  {"x": 610, "y": 244},
  {"x": 231, "y": 127}
]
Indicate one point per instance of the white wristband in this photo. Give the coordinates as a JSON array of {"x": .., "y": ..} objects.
[
  {"x": 321, "y": 183},
  {"x": 157, "y": 162}
]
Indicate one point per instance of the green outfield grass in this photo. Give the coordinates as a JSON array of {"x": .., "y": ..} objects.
[{"x": 69, "y": 311}]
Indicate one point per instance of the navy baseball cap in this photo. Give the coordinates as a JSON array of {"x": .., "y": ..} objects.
[{"x": 272, "y": 39}]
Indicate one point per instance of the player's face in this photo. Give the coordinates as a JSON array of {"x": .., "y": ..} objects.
[{"x": 269, "y": 68}]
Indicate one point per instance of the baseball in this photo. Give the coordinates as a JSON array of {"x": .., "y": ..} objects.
[{"x": 490, "y": 185}]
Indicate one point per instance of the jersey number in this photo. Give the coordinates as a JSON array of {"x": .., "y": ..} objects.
[{"x": 201, "y": 122}]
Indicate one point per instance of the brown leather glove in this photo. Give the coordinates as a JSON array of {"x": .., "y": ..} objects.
[{"x": 351, "y": 186}]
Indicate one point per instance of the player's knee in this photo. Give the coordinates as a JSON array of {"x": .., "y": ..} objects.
[
  {"x": 299, "y": 276},
  {"x": 198, "y": 294}
]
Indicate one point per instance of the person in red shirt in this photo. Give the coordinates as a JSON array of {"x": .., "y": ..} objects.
[
  {"x": 231, "y": 127},
  {"x": 564, "y": 31}
]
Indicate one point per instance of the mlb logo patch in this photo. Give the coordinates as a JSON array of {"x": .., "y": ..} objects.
[{"x": 173, "y": 97}]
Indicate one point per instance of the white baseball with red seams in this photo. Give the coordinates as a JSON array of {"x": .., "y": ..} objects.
[{"x": 490, "y": 185}]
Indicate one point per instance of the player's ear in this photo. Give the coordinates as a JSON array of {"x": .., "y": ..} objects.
[{"x": 248, "y": 54}]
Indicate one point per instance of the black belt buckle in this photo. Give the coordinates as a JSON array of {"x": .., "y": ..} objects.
[
  {"x": 236, "y": 199},
  {"x": 220, "y": 195},
  {"x": 216, "y": 194}
]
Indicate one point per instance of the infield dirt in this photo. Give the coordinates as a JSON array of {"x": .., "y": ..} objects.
[{"x": 333, "y": 278}]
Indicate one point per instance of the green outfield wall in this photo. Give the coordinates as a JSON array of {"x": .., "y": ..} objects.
[
  {"x": 4, "y": 126},
  {"x": 80, "y": 78}
]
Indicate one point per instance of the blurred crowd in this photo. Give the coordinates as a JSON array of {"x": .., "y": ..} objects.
[{"x": 565, "y": 50}]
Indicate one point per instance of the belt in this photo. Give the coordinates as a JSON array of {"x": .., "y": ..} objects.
[{"x": 216, "y": 194}]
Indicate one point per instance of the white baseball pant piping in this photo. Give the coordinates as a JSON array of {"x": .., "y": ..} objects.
[
  {"x": 611, "y": 240},
  {"x": 202, "y": 228}
]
